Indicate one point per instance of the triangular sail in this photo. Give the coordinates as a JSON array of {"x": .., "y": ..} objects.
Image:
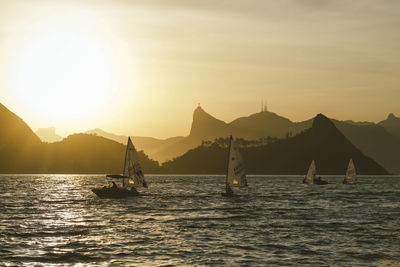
[
  {"x": 311, "y": 173},
  {"x": 236, "y": 174},
  {"x": 351, "y": 172},
  {"x": 132, "y": 167}
]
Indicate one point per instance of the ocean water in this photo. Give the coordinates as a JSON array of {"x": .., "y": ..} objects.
[{"x": 183, "y": 220}]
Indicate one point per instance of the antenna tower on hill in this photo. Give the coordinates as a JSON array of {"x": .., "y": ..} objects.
[{"x": 264, "y": 107}]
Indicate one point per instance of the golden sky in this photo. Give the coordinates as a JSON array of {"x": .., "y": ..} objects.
[{"x": 141, "y": 67}]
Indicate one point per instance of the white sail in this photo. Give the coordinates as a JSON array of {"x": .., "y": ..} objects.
[
  {"x": 132, "y": 167},
  {"x": 351, "y": 172},
  {"x": 311, "y": 173},
  {"x": 236, "y": 174}
]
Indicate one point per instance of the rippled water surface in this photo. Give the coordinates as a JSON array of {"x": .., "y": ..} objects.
[{"x": 183, "y": 220}]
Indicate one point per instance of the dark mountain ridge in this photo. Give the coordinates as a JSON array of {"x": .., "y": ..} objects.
[
  {"x": 84, "y": 153},
  {"x": 21, "y": 151},
  {"x": 391, "y": 124},
  {"x": 323, "y": 142},
  {"x": 16, "y": 139},
  {"x": 206, "y": 127},
  {"x": 372, "y": 139}
]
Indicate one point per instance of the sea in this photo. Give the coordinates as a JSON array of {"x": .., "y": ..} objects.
[{"x": 182, "y": 220}]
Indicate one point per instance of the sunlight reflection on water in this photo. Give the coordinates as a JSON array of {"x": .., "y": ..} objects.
[{"x": 182, "y": 220}]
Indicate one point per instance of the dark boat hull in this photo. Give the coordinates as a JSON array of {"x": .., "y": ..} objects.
[
  {"x": 228, "y": 195},
  {"x": 320, "y": 182},
  {"x": 317, "y": 182},
  {"x": 114, "y": 192}
]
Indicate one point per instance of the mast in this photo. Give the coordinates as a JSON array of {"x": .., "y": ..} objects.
[
  {"x": 126, "y": 155},
  {"x": 227, "y": 164}
]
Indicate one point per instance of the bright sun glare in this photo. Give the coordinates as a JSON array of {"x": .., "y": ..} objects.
[{"x": 62, "y": 72}]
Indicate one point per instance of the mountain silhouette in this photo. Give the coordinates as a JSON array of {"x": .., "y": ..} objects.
[
  {"x": 16, "y": 141},
  {"x": 391, "y": 124},
  {"x": 255, "y": 126},
  {"x": 21, "y": 151},
  {"x": 323, "y": 142},
  {"x": 149, "y": 144},
  {"x": 205, "y": 125},
  {"x": 118, "y": 138},
  {"x": 158, "y": 149},
  {"x": 48, "y": 135},
  {"x": 265, "y": 123},
  {"x": 84, "y": 153},
  {"x": 372, "y": 139},
  {"x": 15, "y": 130}
]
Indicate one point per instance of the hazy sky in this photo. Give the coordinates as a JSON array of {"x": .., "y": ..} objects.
[{"x": 141, "y": 67}]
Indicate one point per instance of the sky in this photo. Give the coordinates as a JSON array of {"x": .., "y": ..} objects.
[{"x": 141, "y": 67}]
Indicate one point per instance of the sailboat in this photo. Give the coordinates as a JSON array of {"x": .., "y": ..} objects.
[
  {"x": 235, "y": 171},
  {"x": 351, "y": 177},
  {"x": 132, "y": 168},
  {"x": 310, "y": 177},
  {"x": 132, "y": 177}
]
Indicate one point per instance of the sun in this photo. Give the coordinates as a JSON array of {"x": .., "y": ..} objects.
[{"x": 63, "y": 72}]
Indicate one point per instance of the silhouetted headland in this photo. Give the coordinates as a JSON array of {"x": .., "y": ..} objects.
[
  {"x": 322, "y": 142},
  {"x": 374, "y": 140},
  {"x": 23, "y": 152},
  {"x": 391, "y": 124}
]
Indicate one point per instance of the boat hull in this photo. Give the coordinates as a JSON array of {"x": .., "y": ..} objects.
[
  {"x": 228, "y": 195},
  {"x": 316, "y": 182},
  {"x": 114, "y": 192},
  {"x": 320, "y": 182}
]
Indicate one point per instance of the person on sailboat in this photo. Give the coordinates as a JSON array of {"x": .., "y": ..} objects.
[{"x": 132, "y": 171}]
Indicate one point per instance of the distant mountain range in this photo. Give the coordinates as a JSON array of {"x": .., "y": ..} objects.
[
  {"x": 206, "y": 127},
  {"x": 151, "y": 145},
  {"x": 323, "y": 142},
  {"x": 372, "y": 139},
  {"x": 391, "y": 124},
  {"x": 21, "y": 151},
  {"x": 380, "y": 141}
]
